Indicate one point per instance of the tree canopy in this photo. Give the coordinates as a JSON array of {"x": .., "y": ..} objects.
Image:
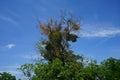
[
  {"x": 58, "y": 35},
  {"x": 60, "y": 62}
]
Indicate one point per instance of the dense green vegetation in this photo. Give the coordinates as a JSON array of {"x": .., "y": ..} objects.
[
  {"x": 6, "y": 76},
  {"x": 108, "y": 69},
  {"x": 59, "y": 62},
  {"x": 89, "y": 70}
]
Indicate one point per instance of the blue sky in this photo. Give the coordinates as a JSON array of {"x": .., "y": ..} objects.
[{"x": 19, "y": 32}]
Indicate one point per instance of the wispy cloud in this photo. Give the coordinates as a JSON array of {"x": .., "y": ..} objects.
[
  {"x": 9, "y": 46},
  {"x": 8, "y": 19},
  {"x": 13, "y": 13},
  {"x": 100, "y": 32},
  {"x": 32, "y": 57},
  {"x": 11, "y": 67},
  {"x": 29, "y": 56},
  {"x": 12, "y": 71}
]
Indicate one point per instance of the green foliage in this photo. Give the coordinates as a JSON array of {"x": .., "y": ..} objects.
[
  {"x": 77, "y": 70},
  {"x": 27, "y": 70},
  {"x": 91, "y": 71},
  {"x": 60, "y": 63},
  {"x": 56, "y": 71},
  {"x": 6, "y": 76},
  {"x": 58, "y": 34},
  {"x": 108, "y": 70},
  {"x": 111, "y": 68},
  {"x": 73, "y": 37}
]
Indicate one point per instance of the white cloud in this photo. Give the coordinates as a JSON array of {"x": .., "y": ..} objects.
[
  {"x": 28, "y": 56},
  {"x": 100, "y": 32},
  {"x": 9, "y": 46},
  {"x": 11, "y": 71},
  {"x": 15, "y": 72},
  {"x": 32, "y": 56},
  {"x": 8, "y": 19},
  {"x": 11, "y": 67}
]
